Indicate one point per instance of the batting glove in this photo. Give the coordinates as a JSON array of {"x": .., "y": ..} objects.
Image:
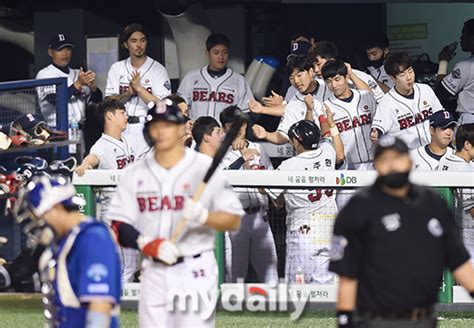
[
  {"x": 160, "y": 249},
  {"x": 195, "y": 213}
]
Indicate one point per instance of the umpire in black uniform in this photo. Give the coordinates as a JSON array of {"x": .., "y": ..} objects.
[{"x": 391, "y": 243}]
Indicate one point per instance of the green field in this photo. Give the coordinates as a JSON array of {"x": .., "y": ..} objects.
[{"x": 26, "y": 311}]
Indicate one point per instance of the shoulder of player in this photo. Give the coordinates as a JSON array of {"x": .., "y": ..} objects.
[
  {"x": 287, "y": 164},
  {"x": 192, "y": 74},
  {"x": 119, "y": 65},
  {"x": 94, "y": 231},
  {"x": 44, "y": 72},
  {"x": 388, "y": 99}
]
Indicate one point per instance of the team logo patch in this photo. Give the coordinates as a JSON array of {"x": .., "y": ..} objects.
[
  {"x": 456, "y": 74},
  {"x": 167, "y": 85},
  {"x": 366, "y": 107},
  {"x": 391, "y": 222},
  {"x": 435, "y": 228},
  {"x": 338, "y": 244},
  {"x": 147, "y": 81},
  {"x": 425, "y": 102},
  {"x": 186, "y": 186},
  {"x": 97, "y": 272}
]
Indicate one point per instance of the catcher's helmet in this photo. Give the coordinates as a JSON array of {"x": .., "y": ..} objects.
[
  {"x": 164, "y": 110},
  {"x": 306, "y": 132},
  {"x": 42, "y": 193}
]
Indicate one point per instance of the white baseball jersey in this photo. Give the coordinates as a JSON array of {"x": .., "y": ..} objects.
[
  {"x": 460, "y": 82},
  {"x": 373, "y": 85},
  {"x": 76, "y": 104},
  {"x": 295, "y": 111},
  {"x": 113, "y": 154},
  {"x": 154, "y": 78},
  {"x": 424, "y": 160},
  {"x": 208, "y": 96},
  {"x": 322, "y": 93},
  {"x": 454, "y": 163},
  {"x": 304, "y": 207},
  {"x": 407, "y": 117},
  {"x": 151, "y": 198},
  {"x": 250, "y": 197},
  {"x": 380, "y": 75},
  {"x": 353, "y": 120}
]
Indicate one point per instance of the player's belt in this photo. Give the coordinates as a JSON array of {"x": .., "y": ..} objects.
[
  {"x": 180, "y": 259},
  {"x": 136, "y": 119},
  {"x": 252, "y": 210},
  {"x": 414, "y": 314}
]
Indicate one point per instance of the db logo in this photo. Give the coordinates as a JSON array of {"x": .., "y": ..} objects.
[{"x": 342, "y": 180}]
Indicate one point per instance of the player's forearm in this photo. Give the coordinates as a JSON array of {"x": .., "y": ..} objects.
[
  {"x": 276, "y": 138},
  {"x": 465, "y": 276},
  {"x": 223, "y": 221},
  {"x": 339, "y": 147},
  {"x": 98, "y": 314},
  {"x": 277, "y": 111},
  {"x": 146, "y": 96},
  {"x": 347, "y": 294},
  {"x": 123, "y": 98},
  {"x": 90, "y": 161},
  {"x": 309, "y": 114},
  {"x": 359, "y": 84}
]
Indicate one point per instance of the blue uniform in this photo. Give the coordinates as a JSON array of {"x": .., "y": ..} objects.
[{"x": 84, "y": 266}]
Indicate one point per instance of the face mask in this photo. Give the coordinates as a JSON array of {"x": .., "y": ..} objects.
[
  {"x": 394, "y": 180},
  {"x": 377, "y": 63}
]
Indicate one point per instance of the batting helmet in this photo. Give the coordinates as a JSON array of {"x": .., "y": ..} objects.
[
  {"x": 165, "y": 110},
  {"x": 306, "y": 132}
]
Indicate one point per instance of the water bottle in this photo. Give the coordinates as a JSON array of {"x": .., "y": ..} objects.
[
  {"x": 73, "y": 129},
  {"x": 299, "y": 276}
]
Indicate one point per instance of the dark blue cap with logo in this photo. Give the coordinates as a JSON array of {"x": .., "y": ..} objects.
[
  {"x": 300, "y": 48},
  {"x": 60, "y": 41},
  {"x": 388, "y": 142},
  {"x": 165, "y": 110},
  {"x": 442, "y": 119}
]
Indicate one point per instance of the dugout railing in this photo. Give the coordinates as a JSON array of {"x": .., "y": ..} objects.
[{"x": 445, "y": 182}]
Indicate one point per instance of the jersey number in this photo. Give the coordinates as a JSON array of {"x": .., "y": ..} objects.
[{"x": 318, "y": 193}]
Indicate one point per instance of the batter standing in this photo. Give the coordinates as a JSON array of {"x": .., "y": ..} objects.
[{"x": 151, "y": 199}]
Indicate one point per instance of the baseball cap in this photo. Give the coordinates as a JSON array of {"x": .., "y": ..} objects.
[
  {"x": 300, "y": 48},
  {"x": 165, "y": 110},
  {"x": 28, "y": 122},
  {"x": 388, "y": 142},
  {"x": 60, "y": 41},
  {"x": 442, "y": 119}
]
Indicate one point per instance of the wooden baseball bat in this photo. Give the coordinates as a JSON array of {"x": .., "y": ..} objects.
[{"x": 224, "y": 147}]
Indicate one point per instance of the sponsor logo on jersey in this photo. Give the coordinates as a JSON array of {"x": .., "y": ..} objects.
[
  {"x": 221, "y": 97},
  {"x": 456, "y": 74},
  {"x": 347, "y": 124},
  {"x": 156, "y": 203},
  {"x": 97, "y": 272},
  {"x": 408, "y": 120}
]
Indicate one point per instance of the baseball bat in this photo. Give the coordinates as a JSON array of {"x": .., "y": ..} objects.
[{"x": 224, "y": 147}]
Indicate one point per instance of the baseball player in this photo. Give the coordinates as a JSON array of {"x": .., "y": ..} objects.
[
  {"x": 377, "y": 50},
  {"x": 427, "y": 157},
  {"x": 81, "y": 84},
  {"x": 137, "y": 81},
  {"x": 254, "y": 242},
  {"x": 112, "y": 151},
  {"x": 460, "y": 82},
  {"x": 310, "y": 214},
  {"x": 405, "y": 110},
  {"x": 324, "y": 51},
  {"x": 353, "y": 111},
  {"x": 214, "y": 87},
  {"x": 80, "y": 269},
  {"x": 305, "y": 105},
  {"x": 462, "y": 160},
  {"x": 151, "y": 200}
]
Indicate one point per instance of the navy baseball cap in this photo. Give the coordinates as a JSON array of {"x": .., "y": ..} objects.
[
  {"x": 28, "y": 122},
  {"x": 59, "y": 41},
  {"x": 165, "y": 110},
  {"x": 442, "y": 119},
  {"x": 300, "y": 48},
  {"x": 388, "y": 142}
]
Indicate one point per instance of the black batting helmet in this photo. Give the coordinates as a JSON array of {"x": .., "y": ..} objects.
[
  {"x": 164, "y": 110},
  {"x": 306, "y": 132}
]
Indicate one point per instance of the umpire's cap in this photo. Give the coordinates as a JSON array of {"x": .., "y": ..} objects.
[
  {"x": 165, "y": 110},
  {"x": 387, "y": 142},
  {"x": 306, "y": 132}
]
